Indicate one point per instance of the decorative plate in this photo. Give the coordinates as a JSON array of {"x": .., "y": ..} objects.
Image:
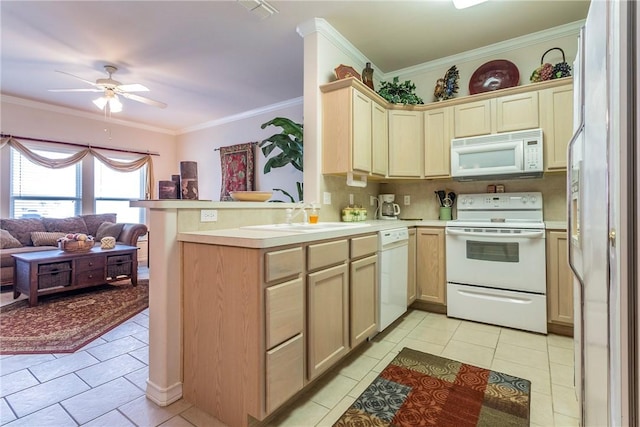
[
  {"x": 250, "y": 196},
  {"x": 494, "y": 75},
  {"x": 344, "y": 71}
]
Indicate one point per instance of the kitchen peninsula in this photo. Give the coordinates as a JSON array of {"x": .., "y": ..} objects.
[{"x": 208, "y": 312}]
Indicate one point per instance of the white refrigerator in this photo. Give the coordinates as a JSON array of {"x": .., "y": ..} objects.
[{"x": 602, "y": 199}]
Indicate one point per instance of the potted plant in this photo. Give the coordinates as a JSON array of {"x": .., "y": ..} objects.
[
  {"x": 399, "y": 93},
  {"x": 289, "y": 142}
]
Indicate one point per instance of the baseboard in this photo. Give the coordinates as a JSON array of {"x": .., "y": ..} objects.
[
  {"x": 164, "y": 396},
  {"x": 429, "y": 306}
]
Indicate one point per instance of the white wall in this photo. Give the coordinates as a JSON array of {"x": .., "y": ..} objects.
[{"x": 199, "y": 146}]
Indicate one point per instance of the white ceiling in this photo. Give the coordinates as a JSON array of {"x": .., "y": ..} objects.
[{"x": 212, "y": 59}]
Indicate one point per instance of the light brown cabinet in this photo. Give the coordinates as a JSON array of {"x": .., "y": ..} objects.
[
  {"x": 438, "y": 131},
  {"x": 328, "y": 318},
  {"x": 406, "y": 144},
  {"x": 559, "y": 281},
  {"x": 411, "y": 277},
  {"x": 363, "y": 296},
  {"x": 430, "y": 265},
  {"x": 502, "y": 114},
  {"x": 249, "y": 302},
  {"x": 354, "y": 129},
  {"x": 556, "y": 121}
]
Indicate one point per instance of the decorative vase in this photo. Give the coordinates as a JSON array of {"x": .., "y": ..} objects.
[
  {"x": 367, "y": 76},
  {"x": 189, "y": 180}
]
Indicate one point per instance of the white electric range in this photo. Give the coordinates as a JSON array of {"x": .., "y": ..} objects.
[{"x": 496, "y": 261}]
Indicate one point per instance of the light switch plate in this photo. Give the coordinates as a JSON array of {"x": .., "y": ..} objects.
[
  {"x": 407, "y": 200},
  {"x": 351, "y": 199},
  {"x": 208, "y": 215},
  {"x": 326, "y": 198},
  {"x": 372, "y": 201}
]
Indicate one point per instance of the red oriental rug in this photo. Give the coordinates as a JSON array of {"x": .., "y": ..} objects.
[
  {"x": 65, "y": 322},
  {"x": 420, "y": 389}
]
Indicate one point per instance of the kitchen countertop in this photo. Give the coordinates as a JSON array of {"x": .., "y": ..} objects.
[
  {"x": 555, "y": 225},
  {"x": 251, "y": 238}
]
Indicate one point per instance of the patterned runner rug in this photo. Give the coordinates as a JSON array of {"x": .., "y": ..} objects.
[
  {"x": 420, "y": 389},
  {"x": 65, "y": 322}
]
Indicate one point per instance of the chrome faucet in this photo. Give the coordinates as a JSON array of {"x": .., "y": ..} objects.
[{"x": 300, "y": 207}]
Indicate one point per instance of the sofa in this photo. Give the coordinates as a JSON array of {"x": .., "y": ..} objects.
[{"x": 41, "y": 234}]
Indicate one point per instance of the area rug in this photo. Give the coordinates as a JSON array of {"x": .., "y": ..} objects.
[
  {"x": 420, "y": 389},
  {"x": 65, "y": 322}
]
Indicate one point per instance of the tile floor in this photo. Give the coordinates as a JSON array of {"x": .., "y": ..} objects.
[{"x": 103, "y": 383}]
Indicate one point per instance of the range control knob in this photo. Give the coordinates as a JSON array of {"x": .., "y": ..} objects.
[
  {"x": 524, "y": 199},
  {"x": 533, "y": 199}
]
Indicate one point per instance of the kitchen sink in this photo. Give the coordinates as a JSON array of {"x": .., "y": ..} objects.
[{"x": 300, "y": 227}]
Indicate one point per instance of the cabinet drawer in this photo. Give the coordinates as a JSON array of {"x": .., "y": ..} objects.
[
  {"x": 327, "y": 254},
  {"x": 281, "y": 264},
  {"x": 366, "y": 245},
  {"x": 284, "y": 309},
  {"x": 285, "y": 372},
  {"x": 90, "y": 277},
  {"x": 89, "y": 263}
]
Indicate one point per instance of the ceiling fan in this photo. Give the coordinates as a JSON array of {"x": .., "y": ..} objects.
[{"x": 111, "y": 89}]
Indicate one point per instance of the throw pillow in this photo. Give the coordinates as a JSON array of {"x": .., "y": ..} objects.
[
  {"x": 73, "y": 224},
  {"x": 93, "y": 221},
  {"x": 108, "y": 229},
  {"x": 21, "y": 228},
  {"x": 7, "y": 241},
  {"x": 46, "y": 238}
]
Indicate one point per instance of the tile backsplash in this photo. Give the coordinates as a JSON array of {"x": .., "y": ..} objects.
[{"x": 423, "y": 202}]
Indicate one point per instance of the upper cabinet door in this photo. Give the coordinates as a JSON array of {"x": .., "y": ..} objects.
[
  {"x": 517, "y": 112},
  {"x": 556, "y": 121},
  {"x": 438, "y": 131},
  {"x": 361, "y": 147},
  {"x": 380, "y": 140},
  {"x": 472, "y": 118},
  {"x": 406, "y": 142}
]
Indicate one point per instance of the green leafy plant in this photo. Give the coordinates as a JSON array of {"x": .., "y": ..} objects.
[
  {"x": 290, "y": 146},
  {"x": 399, "y": 93}
]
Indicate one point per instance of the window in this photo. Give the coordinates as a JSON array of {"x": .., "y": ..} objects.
[
  {"x": 114, "y": 190},
  {"x": 86, "y": 187},
  {"x": 37, "y": 191}
]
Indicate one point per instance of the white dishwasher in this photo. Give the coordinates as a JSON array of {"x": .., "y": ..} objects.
[{"x": 393, "y": 257}]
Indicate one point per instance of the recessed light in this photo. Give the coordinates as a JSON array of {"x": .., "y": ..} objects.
[{"x": 463, "y": 4}]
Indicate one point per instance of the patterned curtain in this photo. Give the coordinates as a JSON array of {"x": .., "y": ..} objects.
[{"x": 237, "y": 168}]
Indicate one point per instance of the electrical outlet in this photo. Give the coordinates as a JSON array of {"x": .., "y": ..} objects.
[
  {"x": 326, "y": 198},
  {"x": 372, "y": 201},
  {"x": 208, "y": 215},
  {"x": 407, "y": 200},
  {"x": 351, "y": 199}
]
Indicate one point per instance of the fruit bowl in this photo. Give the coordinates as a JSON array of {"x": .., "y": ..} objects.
[
  {"x": 251, "y": 196},
  {"x": 76, "y": 245}
]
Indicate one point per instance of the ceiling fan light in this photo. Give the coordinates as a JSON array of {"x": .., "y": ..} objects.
[
  {"x": 101, "y": 102},
  {"x": 115, "y": 106},
  {"x": 463, "y": 4}
]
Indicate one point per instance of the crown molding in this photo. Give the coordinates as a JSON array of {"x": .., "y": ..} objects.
[
  {"x": 321, "y": 26},
  {"x": 565, "y": 30},
  {"x": 9, "y": 99},
  {"x": 243, "y": 115}
]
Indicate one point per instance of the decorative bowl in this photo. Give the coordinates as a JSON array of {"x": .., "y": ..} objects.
[
  {"x": 494, "y": 75},
  {"x": 76, "y": 245},
  {"x": 250, "y": 196}
]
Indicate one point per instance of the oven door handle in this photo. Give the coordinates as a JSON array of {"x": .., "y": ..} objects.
[{"x": 530, "y": 235}]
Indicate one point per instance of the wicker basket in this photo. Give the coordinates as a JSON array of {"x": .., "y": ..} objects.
[{"x": 76, "y": 245}]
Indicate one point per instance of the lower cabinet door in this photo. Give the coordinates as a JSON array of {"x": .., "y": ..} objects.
[
  {"x": 285, "y": 372},
  {"x": 364, "y": 299},
  {"x": 328, "y": 318}
]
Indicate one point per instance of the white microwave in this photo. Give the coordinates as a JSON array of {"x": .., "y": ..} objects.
[{"x": 501, "y": 155}]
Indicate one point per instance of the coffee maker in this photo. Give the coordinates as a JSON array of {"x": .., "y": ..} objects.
[{"x": 386, "y": 208}]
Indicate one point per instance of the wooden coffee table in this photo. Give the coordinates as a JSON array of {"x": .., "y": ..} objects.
[{"x": 50, "y": 272}]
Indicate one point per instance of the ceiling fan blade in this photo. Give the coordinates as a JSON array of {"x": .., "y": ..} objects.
[
  {"x": 143, "y": 99},
  {"x": 79, "y": 78},
  {"x": 135, "y": 87},
  {"x": 76, "y": 90}
]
